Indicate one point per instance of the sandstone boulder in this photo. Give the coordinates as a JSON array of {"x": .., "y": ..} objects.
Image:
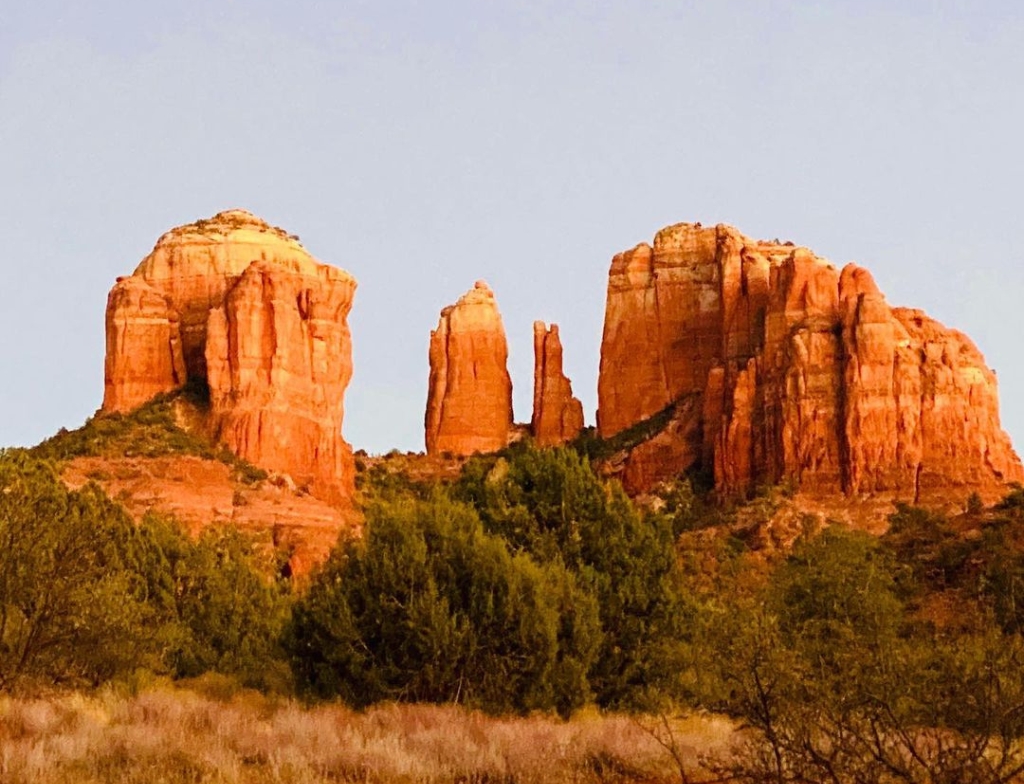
[
  {"x": 791, "y": 371},
  {"x": 469, "y": 400},
  {"x": 557, "y": 415}
]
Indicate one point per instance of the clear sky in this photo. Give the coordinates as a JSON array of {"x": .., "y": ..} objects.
[{"x": 424, "y": 145}]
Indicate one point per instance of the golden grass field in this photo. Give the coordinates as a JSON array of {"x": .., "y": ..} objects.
[{"x": 168, "y": 735}]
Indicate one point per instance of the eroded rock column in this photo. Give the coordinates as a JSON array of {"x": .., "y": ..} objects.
[
  {"x": 557, "y": 415},
  {"x": 469, "y": 400}
]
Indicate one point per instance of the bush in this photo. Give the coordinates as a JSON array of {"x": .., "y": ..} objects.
[
  {"x": 550, "y": 504},
  {"x": 838, "y": 588},
  {"x": 593, "y": 447},
  {"x": 226, "y": 609},
  {"x": 149, "y": 431},
  {"x": 74, "y": 604},
  {"x": 429, "y": 607},
  {"x": 840, "y": 684}
]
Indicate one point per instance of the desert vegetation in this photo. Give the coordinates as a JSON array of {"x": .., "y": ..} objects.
[
  {"x": 524, "y": 621},
  {"x": 87, "y": 596},
  {"x": 152, "y": 430},
  {"x": 204, "y": 734}
]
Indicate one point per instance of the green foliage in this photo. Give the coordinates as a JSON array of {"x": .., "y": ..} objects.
[
  {"x": 86, "y": 595},
  {"x": 688, "y": 509},
  {"x": 985, "y": 570},
  {"x": 835, "y": 589},
  {"x": 593, "y": 447},
  {"x": 430, "y": 607},
  {"x": 937, "y": 556},
  {"x": 73, "y": 602},
  {"x": 1002, "y": 579},
  {"x": 382, "y": 482},
  {"x": 840, "y": 685},
  {"x": 832, "y": 605},
  {"x": 974, "y": 505},
  {"x": 224, "y": 609},
  {"x": 149, "y": 431},
  {"x": 550, "y": 504},
  {"x": 1014, "y": 500},
  {"x": 244, "y": 471}
]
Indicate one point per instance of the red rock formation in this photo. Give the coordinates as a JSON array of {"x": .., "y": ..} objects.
[
  {"x": 791, "y": 371},
  {"x": 144, "y": 353},
  {"x": 278, "y": 358},
  {"x": 469, "y": 401},
  {"x": 557, "y": 415},
  {"x": 195, "y": 265},
  {"x": 240, "y": 307},
  {"x": 199, "y": 493}
]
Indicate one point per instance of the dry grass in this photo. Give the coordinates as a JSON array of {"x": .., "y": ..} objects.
[{"x": 176, "y": 736}]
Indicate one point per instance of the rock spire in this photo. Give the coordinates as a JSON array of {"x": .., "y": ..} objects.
[
  {"x": 469, "y": 400},
  {"x": 557, "y": 415}
]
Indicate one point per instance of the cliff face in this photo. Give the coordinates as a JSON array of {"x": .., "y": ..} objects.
[
  {"x": 469, "y": 400},
  {"x": 777, "y": 367},
  {"x": 240, "y": 307},
  {"x": 144, "y": 351},
  {"x": 557, "y": 415}
]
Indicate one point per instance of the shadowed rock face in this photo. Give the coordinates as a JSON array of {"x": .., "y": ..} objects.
[
  {"x": 778, "y": 367},
  {"x": 557, "y": 415},
  {"x": 239, "y": 306},
  {"x": 469, "y": 400}
]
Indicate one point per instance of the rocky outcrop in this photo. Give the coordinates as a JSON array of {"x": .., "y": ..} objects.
[
  {"x": 279, "y": 358},
  {"x": 469, "y": 400},
  {"x": 199, "y": 493},
  {"x": 144, "y": 352},
  {"x": 774, "y": 366},
  {"x": 238, "y": 307},
  {"x": 557, "y": 415}
]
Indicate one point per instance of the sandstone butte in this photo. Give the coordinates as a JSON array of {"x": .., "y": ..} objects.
[
  {"x": 759, "y": 362},
  {"x": 557, "y": 415},
  {"x": 238, "y": 307},
  {"x": 469, "y": 398}
]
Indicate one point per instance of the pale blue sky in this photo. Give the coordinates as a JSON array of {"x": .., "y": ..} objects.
[{"x": 424, "y": 145}]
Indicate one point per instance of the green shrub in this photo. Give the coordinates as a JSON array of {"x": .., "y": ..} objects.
[
  {"x": 840, "y": 587},
  {"x": 429, "y": 607},
  {"x": 383, "y": 483},
  {"x": 149, "y": 431},
  {"x": 1014, "y": 500},
  {"x": 227, "y": 608},
  {"x": 838, "y": 683},
  {"x": 74, "y": 604},
  {"x": 592, "y": 446},
  {"x": 550, "y": 504}
]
